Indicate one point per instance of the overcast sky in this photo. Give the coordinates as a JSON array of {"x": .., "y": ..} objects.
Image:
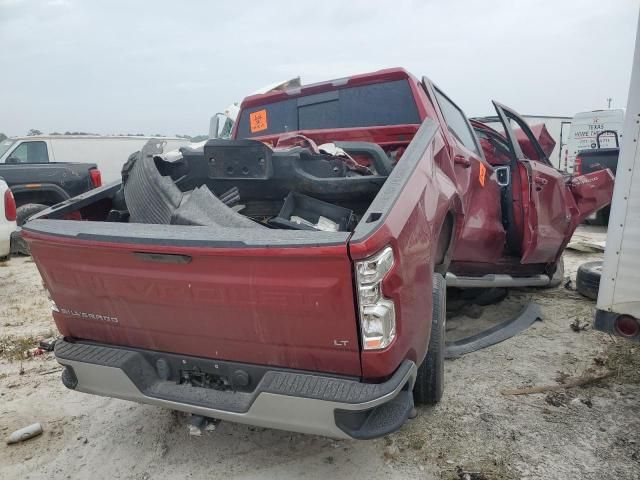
[{"x": 166, "y": 67}]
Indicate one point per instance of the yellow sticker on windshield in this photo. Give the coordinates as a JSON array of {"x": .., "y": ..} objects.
[
  {"x": 483, "y": 174},
  {"x": 258, "y": 121}
]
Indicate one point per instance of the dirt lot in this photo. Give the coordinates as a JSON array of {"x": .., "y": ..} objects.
[{"x": 588, "y": 432}]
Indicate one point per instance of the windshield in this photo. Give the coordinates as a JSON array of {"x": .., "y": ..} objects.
[
  {"x": 378, "y": 104},
  {"x": 6, "y": 145}
]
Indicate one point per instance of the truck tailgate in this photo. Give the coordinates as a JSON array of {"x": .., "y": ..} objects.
[{"x": 290, "y": 306}]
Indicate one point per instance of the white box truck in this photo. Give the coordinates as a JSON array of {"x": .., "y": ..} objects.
[
  {"x": 618, "y": 309},
  {"x": 585, "y": 126}
]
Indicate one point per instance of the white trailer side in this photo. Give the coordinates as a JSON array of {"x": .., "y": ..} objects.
[{"x": 619, "y": 292}]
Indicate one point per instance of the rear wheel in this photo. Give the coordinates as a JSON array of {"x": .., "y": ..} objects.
[
  {"x": 23, "y": 213},
  {"x": 429, "y": 384}
]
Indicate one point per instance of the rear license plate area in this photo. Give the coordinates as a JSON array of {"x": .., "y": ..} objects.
[{"x": 197, "y": 377}]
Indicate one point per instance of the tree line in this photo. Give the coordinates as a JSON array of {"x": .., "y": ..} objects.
[{"x": 33, "y": 132}]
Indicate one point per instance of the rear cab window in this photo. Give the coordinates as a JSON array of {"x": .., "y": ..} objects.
[{"x": 378, "y": 104}]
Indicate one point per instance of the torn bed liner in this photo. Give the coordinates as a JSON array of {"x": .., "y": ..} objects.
[
  {"x": 331, "y": 190},
  {"x": 153, "y": 198},
  {"x": 201, "y": 207}
]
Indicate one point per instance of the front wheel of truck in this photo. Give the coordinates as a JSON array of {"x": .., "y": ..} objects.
[{"x": 429, "y": 384}]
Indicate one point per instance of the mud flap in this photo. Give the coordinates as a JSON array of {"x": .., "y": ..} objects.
[{"x": 499, "y": 333}]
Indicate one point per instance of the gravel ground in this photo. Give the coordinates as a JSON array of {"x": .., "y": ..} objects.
[{"x": 590, "y": 432}]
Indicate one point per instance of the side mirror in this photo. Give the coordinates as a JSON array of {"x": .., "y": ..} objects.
[
  {"x": 503, "y": 176},
  {"x": 12, "y": 160}
]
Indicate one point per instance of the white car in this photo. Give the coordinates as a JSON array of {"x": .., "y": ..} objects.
[{"x": 7, "y": 218}]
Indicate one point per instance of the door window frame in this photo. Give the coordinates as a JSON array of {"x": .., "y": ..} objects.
[
  {"x": 26, "y": 143},
  {"x": 505, "y": 114},
  {"x": 476, "y": 149}
]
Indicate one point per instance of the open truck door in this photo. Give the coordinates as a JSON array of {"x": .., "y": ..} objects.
[
  {"x": 546, "y": 219},
  {"x": 552, "y": 204}
]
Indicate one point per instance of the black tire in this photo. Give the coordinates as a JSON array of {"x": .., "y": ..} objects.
[
  {"x": 588, "y": 279},
  {"x": 23, "y": 213},
  {"x": 26, "y": 211},
  {"x": 429, "y": 384}
]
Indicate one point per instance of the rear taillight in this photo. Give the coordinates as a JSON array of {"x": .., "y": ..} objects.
[
  {"x": 577, "y": 165},
  {"x": 9, "y": 206},
  {"x": 96, "y": 177},
  {"x": 377, "y": 313},
  {"x": 627, "y": 326}
]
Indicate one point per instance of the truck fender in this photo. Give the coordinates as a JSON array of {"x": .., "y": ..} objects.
[
  {"x": 446, "y": 237},
  {"x": 44, "y": 193},
  {"x": 451, "y": 212}
]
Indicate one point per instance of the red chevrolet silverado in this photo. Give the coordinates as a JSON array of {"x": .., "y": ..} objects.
[{"x": 294, "y": 276}]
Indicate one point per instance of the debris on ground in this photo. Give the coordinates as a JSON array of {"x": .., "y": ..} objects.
[
  {"x": 562, "y": 377},
  {"x": 33, "y": 352},
  {"x": 198, "y": 424},
  {"x": 20, "y": 347},
  {"x": 556, "y": 399},
  {"x": 578, "y": 325},
  {"x": 212, "y": 424},
  {"x": 14, "y": 347},
  {"x": 581, "y": 244},
  {"x": 587, "y": 401},
  {"x": 495, "y": 334},
  {"x": 391, "y": 452},
  {"x": 623, "y": 358},
  {"x": 25, "y": 433},
  {"x": 465, "y": 475},
  {"x": 48, "y": 344},
  {"x": 572, "y": 383}
]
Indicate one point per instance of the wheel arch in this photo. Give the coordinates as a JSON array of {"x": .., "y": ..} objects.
[
  {"x": 44, "y": 194},
  {"x": 447, "y": 234}
]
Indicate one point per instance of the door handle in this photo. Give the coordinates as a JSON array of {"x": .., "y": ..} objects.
[{"x": 462, "y": 161}]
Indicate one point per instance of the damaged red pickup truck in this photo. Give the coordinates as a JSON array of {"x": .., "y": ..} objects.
[{"x": 293, "y": 278}]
